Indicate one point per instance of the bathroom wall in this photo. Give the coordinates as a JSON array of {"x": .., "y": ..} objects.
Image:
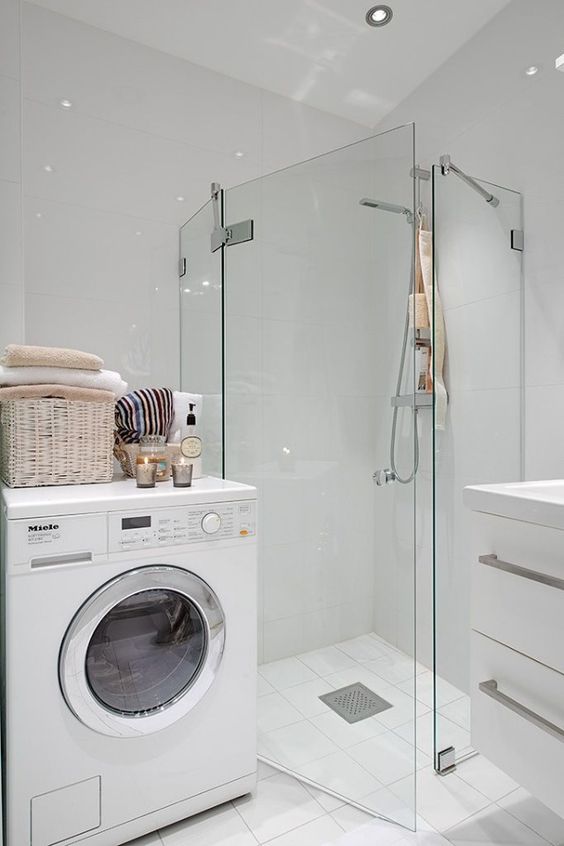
[
  {"x": 315, "y": 308},
  {"x": 101, "y": 222},
  {"x": 11, "y": 259},
  {"x": 499, "y": 124}
]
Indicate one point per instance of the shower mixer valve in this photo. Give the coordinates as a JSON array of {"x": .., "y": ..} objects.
[{"x": 384, "y": 477}]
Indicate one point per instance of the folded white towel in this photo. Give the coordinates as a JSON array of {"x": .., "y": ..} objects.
[
  {"x": 181, "y": 406},
  {"x": 104, "y": 380}
]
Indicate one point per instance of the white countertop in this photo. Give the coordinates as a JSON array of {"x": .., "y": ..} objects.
[
  {"x": 533, "y": 502},
  {"x": 120, "y": 495}
]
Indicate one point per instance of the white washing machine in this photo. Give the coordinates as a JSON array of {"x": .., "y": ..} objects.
[{"x": 130, "y": 657}]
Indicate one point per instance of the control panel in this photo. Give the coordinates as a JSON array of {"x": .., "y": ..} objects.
[{"x": 178, "y": 526}]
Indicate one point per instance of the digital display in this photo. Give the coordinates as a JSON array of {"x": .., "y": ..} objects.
[{"x": 135, "y": 523}]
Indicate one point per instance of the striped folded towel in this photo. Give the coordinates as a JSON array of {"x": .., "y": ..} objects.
[{"x": 147, "y": 411}]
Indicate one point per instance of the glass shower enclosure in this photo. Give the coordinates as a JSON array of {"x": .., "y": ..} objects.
[
  {"x": 478, "y": 253},
  {"x": 294, "y": 330}
]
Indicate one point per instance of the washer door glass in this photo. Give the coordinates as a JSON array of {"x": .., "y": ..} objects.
[
  {"x": 142, "y": 651},
  {"x": 146, "y": 651}
]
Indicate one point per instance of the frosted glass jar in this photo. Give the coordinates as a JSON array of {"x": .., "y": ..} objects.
[{"x": 153, "y": 448}]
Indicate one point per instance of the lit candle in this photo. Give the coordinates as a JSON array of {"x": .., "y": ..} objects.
[
  {"x": 182, "y": 474},
  {"x": 146, "y": 473}
]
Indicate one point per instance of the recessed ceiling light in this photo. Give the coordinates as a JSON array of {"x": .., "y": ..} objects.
[
  {"x": 65, "y": 104},
  {"x": 205, "y": 283},
  {"x": 38, "y": 215},
  {"x": 180, "y": 199},
  {"x": 532, "y": 70},
  {"x": 239, "y": 154},
  {"x": 379, "y": 16},
  {"x": 186, "y": 290},
  {"x": 48, "y": 168},
  {"x": 138, "y": 232}
]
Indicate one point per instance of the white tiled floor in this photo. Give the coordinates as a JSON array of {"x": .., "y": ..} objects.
[
  {"x": 361, "y": 761},
  {"x": 284, "y": 812},
  {"x": 370, "y": 762}
]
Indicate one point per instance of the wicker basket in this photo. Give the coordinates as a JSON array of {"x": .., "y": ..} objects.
[{"x": 55, "y": 442}]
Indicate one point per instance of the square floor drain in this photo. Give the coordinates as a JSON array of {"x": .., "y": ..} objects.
[{"x": 355, "y": 702}]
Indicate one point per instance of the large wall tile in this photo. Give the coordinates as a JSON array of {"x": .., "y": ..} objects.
[{"x": 10, "y": 150}]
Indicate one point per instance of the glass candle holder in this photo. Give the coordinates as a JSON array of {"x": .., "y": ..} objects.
[
  {"x": 146, "y": 473},
  {"x": 182, "y": 474},
  {"x": 154, "y": 448}
]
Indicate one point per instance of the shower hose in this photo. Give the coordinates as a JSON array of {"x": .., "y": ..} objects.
[{"x": 404, "y": 480}]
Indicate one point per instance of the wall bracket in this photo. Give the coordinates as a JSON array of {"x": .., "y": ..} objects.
[{"x": 234, "y": 233}]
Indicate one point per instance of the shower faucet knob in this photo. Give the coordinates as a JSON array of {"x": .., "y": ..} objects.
[{"x": 384, "y": 477}]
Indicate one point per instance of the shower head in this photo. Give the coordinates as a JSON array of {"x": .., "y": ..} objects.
[{"x": 388, "y": 207}]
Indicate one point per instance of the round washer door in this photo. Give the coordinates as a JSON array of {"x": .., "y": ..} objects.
[{"x": 142, "y": 651}]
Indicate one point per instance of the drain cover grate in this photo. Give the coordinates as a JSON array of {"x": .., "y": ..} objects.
[{"x": 355, "y": 702}]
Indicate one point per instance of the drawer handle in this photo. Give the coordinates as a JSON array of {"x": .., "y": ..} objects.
[
  {"x": 533, "y": 575},
  {"x": 490, "y": 689}
]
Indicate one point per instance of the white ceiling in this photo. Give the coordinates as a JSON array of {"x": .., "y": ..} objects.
[{"x": 320, "y": 52}]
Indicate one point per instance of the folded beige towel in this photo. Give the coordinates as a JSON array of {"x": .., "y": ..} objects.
[
  {"x": 21, "y": 355},
  {"x": 56, "y": 391}
]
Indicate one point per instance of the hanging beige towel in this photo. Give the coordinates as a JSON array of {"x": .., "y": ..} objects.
[
  {"x": 21, "y": 355},
  {"x": 424, "y": 266},
  {"x": 66, "y": 392}
]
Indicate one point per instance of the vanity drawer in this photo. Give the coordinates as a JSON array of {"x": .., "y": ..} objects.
[
  {"x": 520, "y": 605},
  {"x": 518, "y": 718}
]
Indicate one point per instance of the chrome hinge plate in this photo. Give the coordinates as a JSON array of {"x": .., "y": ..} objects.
[
  {"x": 181, "y": 267},
  {"x": 517, "y": 240},
  {"x": 446, "y": 761},
  {"x": 235, "y": 233}
]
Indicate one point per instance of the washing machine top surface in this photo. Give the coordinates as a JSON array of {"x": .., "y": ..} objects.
[{"x": 118, "y": 495}]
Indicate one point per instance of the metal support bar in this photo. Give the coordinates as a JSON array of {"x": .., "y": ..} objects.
[
  {"x": 447, "y": 167},
  {"x": 491, "y": 689},
  {"x": 415, "y": 400},
  {"x": 420, "y": 173}
]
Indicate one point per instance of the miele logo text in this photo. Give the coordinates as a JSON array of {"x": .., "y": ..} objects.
[{"x": 49, "y": 527}]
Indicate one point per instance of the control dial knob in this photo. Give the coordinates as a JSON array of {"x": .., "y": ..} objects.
[{"x": 211, "y": 523}]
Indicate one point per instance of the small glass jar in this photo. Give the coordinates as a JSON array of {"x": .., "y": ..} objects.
[{"x": 153, "y": 448}]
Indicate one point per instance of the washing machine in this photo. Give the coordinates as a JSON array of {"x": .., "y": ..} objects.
[{"x": 129, "y": 657}]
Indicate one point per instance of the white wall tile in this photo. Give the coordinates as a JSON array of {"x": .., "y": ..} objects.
[
  {"x": 11, "y": 315},
  {"x": 10, "y": 164},
  {"x": 10, "y": 234},
  {"x": 10, "y": 38}
]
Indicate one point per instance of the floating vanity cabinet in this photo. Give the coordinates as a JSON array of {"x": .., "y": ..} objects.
[{"x": 517, "y": 637}]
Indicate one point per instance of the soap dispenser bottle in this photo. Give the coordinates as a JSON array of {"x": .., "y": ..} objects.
[{"x": 191, "y": 444}]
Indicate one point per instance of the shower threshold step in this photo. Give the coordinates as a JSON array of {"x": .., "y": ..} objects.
[{"x": 422, "y": 400}]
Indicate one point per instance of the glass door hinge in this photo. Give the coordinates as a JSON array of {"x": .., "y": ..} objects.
[
  {"x": 446, "y": 761},
  {"x": 517, "y": 240}
]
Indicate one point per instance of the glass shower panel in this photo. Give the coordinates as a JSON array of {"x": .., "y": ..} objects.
[
  {"x": 201, "y": 331},
  {"x": 315, "y": 310},
  {"x": 479, "y": 280}
]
